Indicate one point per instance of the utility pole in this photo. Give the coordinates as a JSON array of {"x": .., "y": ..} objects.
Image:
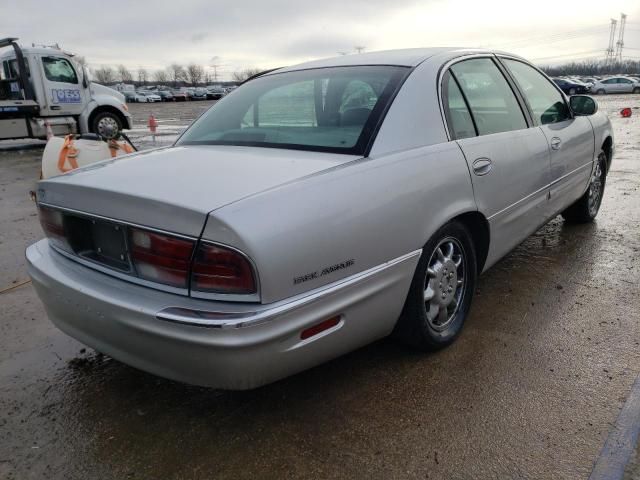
[
  {"x": 620, "y": 42},
  {"x": 609, "y": 52},
  {"x": 359, "y": 49}
]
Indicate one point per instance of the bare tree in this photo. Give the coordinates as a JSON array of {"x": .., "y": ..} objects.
[
  {"x": 195, "y": 73},
  {"x": 161, "y": 76},
  {"x": 242, "y": 75},
  {"x": 143, "y": 76},
  {"x": 124, "y": 74},
  {"x": 104, "y": 74},
  {"x": 176, "y": 73}
]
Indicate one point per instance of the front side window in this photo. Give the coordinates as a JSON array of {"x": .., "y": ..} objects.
[
  {"x": 327, "y": 109},
  {"x": 609, "y": 81},
  {"x": 545, "y": 101},
  {"x": 58, "y": 69},
  {"x": 492, "y": 102},
  {"x": 458, "y": 115}
]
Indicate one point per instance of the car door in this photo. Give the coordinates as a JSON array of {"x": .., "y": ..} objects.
[
  {"x": 63, "y": 91},
  {"x": 625, "y": 85},
  {"x": 570, "y": 137},
  {"x": 507, "y": 160}
]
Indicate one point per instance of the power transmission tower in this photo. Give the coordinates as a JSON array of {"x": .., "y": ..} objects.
[
  {"x": 609, "y": 52},
  {"x": 620, "y": 42},
  {"x": 359, "y": 49}
]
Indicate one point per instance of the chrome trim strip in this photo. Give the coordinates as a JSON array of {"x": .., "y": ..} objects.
[
  {"x": 221, "y": 319},
  {"x": 537, "y": 192},
  {"x": 229, "y": 297}
]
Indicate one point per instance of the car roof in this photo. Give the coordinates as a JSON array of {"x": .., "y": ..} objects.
[{"x": 409, "y": 57}]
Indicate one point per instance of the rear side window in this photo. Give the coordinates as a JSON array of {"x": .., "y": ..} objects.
[
  {"x": 458, "y": 115},
  {"x": 492, "y": 102},
  {"x": 545, "y": 101},
  {"x": 58, "y": 69}
]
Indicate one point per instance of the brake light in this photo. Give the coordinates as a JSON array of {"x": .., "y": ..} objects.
[
  {"x": 221, "y": 270},
  {"x": 161, "y": 258},
  {"x": 52, "y": 224}
]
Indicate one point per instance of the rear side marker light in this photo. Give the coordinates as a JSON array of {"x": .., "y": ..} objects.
[
  {"x": 161, "y": 258},
  {"x": 320, "y": 327}
]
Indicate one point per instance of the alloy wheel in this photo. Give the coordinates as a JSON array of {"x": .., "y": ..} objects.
[{"x": 445, "y": 283}]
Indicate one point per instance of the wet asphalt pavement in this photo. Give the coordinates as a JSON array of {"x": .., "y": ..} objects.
[{"x": 531, "y": 389}]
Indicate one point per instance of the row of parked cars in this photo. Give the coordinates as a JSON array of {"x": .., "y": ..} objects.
[
  {"x": 163, "y": 93},
  {"x": 598, "y": 85}
]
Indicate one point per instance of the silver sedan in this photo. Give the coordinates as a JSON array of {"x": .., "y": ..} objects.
[{"x": 316, "y": 209}]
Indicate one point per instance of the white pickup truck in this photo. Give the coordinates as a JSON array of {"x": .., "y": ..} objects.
[{"x": 44, "y": 86}]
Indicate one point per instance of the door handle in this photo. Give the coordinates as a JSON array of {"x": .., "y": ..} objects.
[
  {"x": 555, "y": 143},
  {"x": 482, "y": 166},
  {"x": 55, "y": 107}
]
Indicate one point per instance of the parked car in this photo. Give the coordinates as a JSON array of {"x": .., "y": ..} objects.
[
  {"x": 199, "y": 94},
  {"x": 571, "y": 87},
  {"x": 150, "y": 96},
  {"x": 215, "y": 93},
  {"x": 296, "y": 234},
  {"x": 165, "y": 95},
  {"x": 180, "y": 95},
  {"x": 615, "y": 85},
  {"x": 129, "y": 96}
]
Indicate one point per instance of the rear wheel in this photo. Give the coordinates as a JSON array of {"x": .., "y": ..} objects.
[
  {"x": 636, "y": 90},
  {"x": 586, "y": 208},
  {"x": 441, "y": 290}
]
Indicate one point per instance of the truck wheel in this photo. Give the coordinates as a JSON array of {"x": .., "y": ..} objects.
[
  {"x": 441, "y": 290},
  {"x": 585, "y": 209},
  {"x": 106, "y": 124}
]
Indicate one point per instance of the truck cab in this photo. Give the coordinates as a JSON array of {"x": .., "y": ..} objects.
[{"x": 43, "y": 87}]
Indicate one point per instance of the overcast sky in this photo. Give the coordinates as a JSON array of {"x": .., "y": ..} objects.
[{"x": 272, "y": 33}]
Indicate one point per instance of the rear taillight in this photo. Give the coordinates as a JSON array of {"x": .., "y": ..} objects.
[
  {"x": 221, "y": 270},
  {"x": 52, "y": 224},
  {"x": 161, "y": 258}
]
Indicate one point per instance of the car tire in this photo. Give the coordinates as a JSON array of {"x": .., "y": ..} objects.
[
  {"x": 585, "y": 209},
  {"x": 441, "y": 291},
  {"x": 600, "y": 91},
  {"x": 572, "y": 91},
  {"x": 636, "y": 90},
  {"x": 103, "y": 120}
]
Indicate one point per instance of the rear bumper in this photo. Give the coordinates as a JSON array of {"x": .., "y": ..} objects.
[{"x": 232, "y": 346}]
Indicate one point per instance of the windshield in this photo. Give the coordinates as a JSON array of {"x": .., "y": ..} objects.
[{"x": 325, "y": 109}]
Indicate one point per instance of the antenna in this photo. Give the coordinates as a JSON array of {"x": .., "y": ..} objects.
[
  {"x": 609, "y": 52},
  {"x": 620, "y": 42}
]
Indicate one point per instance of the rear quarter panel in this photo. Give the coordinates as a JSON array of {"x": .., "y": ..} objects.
[
  {"x": 364, "y": 213},
  {"x": 602, "y": 130}
]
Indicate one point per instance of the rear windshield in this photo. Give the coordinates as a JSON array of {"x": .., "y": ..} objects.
[{"x": 325, "y": 109}]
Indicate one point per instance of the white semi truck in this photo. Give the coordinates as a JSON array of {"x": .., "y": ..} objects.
[{"x": 43, "y": 87}]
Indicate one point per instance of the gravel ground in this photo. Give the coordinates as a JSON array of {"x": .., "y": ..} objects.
[{"x": 531, "y": 389}]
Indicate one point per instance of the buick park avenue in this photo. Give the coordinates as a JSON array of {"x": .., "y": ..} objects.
[{"x": 316, "y": 209}]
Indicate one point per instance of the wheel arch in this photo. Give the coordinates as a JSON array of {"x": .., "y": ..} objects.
[
  {"x": 478, "y": 227},
  {"x": 607, "y": 146},
  {"x": 105, "y": 108}
]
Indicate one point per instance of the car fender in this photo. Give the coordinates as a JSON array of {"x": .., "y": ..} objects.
[
  {"x": 100, "y": 100},
  {"x": 354, "y": 217},
  {"x": 602, "y": 130}
]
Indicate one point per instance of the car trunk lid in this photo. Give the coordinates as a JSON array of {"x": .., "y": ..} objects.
[{"x": 174, "y": 189}]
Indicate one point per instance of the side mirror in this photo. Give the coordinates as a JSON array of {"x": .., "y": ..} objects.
[{"x": 583, "y": 105}]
